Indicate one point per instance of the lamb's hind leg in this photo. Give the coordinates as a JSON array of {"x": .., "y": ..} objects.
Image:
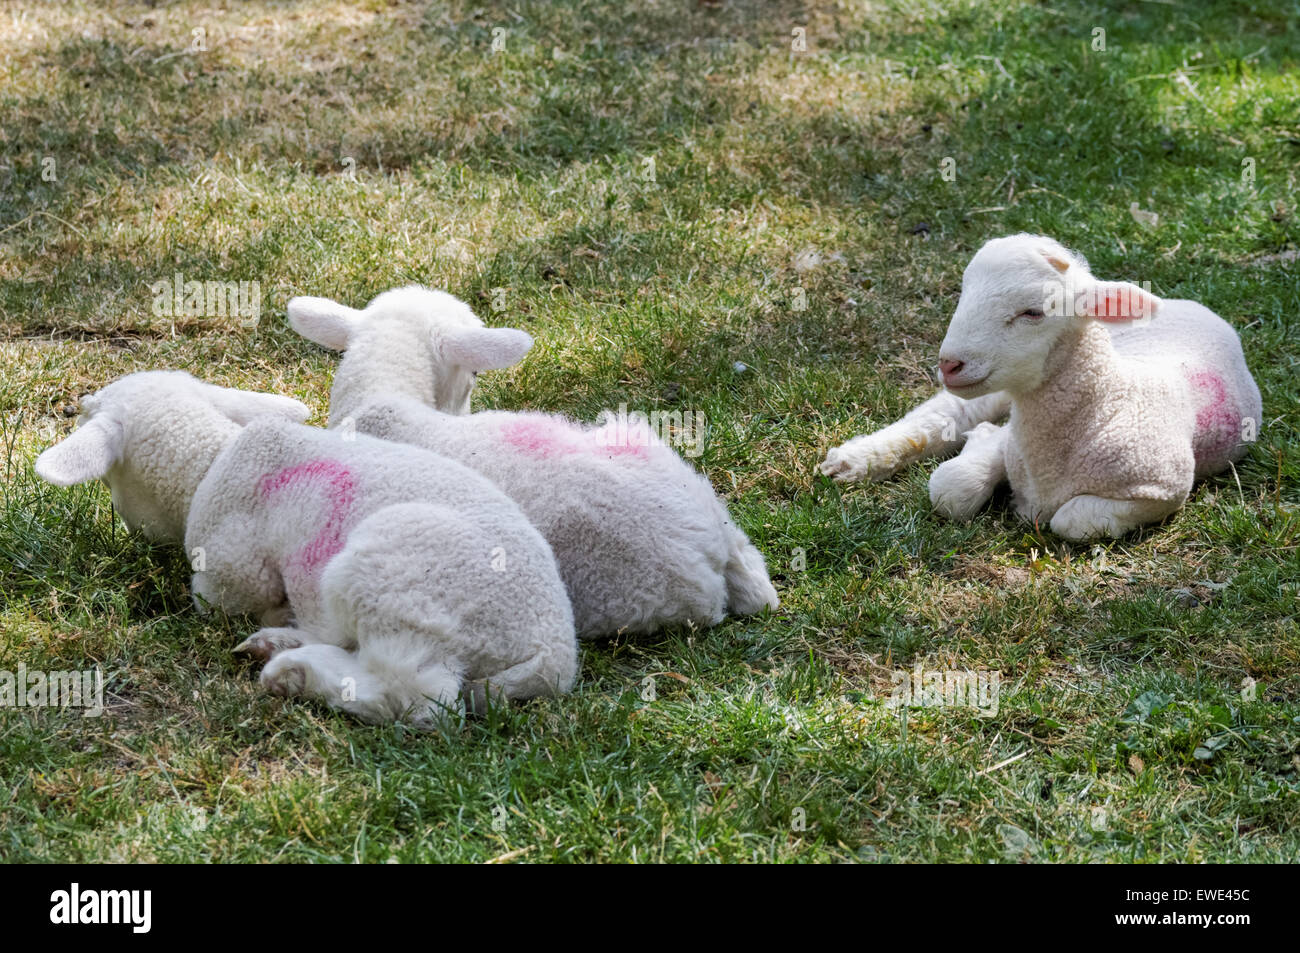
[
  {"x": 933, "y": 428},
  {"x": 1092, "y": 517},
  {"x": 550, "y": 673},
  {"x": 424, "y": 697}
]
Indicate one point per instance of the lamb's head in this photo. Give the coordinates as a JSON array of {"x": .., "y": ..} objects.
[
  {"x": 1020, "y": 296},
  {"x": 150, "y": 436},
  {"x": 423, "y": 343}
]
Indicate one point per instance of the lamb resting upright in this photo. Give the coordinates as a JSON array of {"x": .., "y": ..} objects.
[
  {"x": 641, "y": 538},
  {"x": 1118, "y": 400},
  {"x": 407, "y": 575}
]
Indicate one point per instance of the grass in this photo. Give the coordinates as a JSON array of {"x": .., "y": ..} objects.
[{"x": 661, "y": 193}]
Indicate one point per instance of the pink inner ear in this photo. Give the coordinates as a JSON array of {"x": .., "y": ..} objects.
[
  {"x": 1109, "y": 307},
  {"x": 1114, "y": 302}
]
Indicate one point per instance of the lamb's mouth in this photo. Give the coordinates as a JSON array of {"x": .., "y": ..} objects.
[{"x": 966, "y": 385}]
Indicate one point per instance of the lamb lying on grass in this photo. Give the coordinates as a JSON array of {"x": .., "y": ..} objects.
[
  {"x": 641, "y": 538},
  {"x": 1113, "y": 416},
  {"x": 407, "y": 575}
]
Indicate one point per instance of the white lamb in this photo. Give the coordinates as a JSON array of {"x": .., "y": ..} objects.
[
  {"x": 1118, "y": 400},
  {"x": 407, "y": 575},
  {"x": 641, "y": 538}
]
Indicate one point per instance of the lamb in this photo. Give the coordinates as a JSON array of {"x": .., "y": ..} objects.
[
  {"x": 1118, "y": 400},
  {"x": 408, "y": 576},
  {"x": 641, "y": 538}
]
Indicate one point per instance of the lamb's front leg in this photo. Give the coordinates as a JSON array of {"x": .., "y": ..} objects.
[
  {"x": 1093, "y": 517},
  {"x": 960, "y": 487},
  {"x": 935, "y": 427}
]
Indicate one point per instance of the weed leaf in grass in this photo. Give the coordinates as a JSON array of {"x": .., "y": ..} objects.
[{"x": 1145, "y": 705}]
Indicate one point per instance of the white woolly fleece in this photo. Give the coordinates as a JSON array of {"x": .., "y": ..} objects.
[
  {"x": 1118, "y": 400},
  {"x": 641, "y": 539},
  {"x": 407, "y": 575}
]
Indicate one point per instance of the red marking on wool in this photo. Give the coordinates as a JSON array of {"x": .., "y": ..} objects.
[
  {"x": 545, "y": 438},
  {"x": 1218, "y": 421},
  {"x": 340, "y": 489},
  {"x": 540, "y": 438}
]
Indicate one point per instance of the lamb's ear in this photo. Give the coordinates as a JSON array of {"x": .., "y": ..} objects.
[
  {"x": 326, "y": 322},
  {"x": 1116, "y": 302},
  {"x": 1056, "y": 261},
  {"x": 86, "y": 455},
  {"x": 485, "y": 349},
  {"x": 241, "y": 406}
]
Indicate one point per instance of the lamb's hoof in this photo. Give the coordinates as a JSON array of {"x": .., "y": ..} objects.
[
  {"x": 862, "y": 459},
  {"x": 437, "y": 718},
  {"x": 477, "y": 698},
  {"x": 256, "y": 648},
  {"x": 284, "y": 678},
  {"x": 264, "y": 644}
]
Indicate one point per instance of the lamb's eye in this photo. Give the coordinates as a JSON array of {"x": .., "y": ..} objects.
[{"x": 1033, "y": 314}]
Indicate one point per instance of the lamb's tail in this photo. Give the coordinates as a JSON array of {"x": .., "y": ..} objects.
[{"x": 749, "y": 589}]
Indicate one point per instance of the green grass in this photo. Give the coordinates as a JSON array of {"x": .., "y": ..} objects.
[{"x": 528, "y": 170}]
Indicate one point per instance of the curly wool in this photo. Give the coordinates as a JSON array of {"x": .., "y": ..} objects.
[
  {"x": 407, "y": 575},
  {"x": 642, "y": 540},
  {"x": 1133, "y": 412}
]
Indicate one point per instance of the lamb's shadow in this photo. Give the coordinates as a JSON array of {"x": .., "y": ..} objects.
[{"x": 873, "y": 165}]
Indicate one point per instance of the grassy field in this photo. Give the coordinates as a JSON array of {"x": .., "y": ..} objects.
[{"x": 687, "y": 213}]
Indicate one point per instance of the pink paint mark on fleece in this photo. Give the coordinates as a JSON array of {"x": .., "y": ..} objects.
[
  {"x": 341, "y": 491},
  {"x": 547, "y": 438},
  {"x": 1218, "y": 421}
]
